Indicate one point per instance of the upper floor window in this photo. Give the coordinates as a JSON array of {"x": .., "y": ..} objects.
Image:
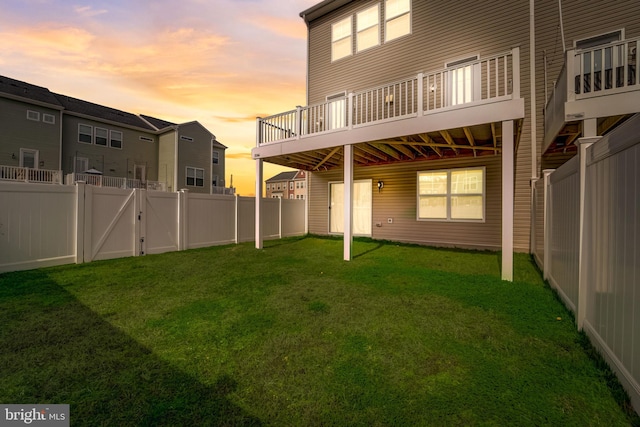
[
  {"x": 397, "y": 19},
  {"x": 268, "y": 186},
  {"x": 368, "y": 28},
  {"x": 341, "y": 44},
  {"x": 48, "y": 118},
  {"x": 85, "y": 134},
  {"x": 451, "y": 195},
  {"x": 102, "y": 136},
  {"x": 290, "y": 185},
  {"x": 116, "y": 139},
  {"x": 33, "y": 115},
  {"x": 195, "y": 177},
  {"x": 216, "y": 157}
]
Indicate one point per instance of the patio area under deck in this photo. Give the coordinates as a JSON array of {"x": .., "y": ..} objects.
[
  {"x": 598, "y": 88},
  {"x": 417, "y": 119}
]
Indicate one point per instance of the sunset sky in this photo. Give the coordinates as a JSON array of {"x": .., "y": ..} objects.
[{"x": 221, "y": 62}]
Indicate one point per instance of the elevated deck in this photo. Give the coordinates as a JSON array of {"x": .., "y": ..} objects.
[
  {"x": 444, "y": 113},
  {"x": 599, "y": 83}
]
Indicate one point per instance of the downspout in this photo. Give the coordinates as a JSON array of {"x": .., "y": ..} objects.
[
  {"x": 60, "y": 155},
  {"x": 564, "y": 46},
  {"x": 533, "y": 106}
]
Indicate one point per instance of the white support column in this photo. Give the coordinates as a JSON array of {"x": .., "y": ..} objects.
[
  {"x": 348, "y": 201},
  {"x": 259, "y": 174},
  {"x": 508, "y": 147},
  {"x": 590, "y": 127},
  {"x": 183, "y": 227},
  {"x": 584, "y": 144},
  {"x": 546, "y": 268}
]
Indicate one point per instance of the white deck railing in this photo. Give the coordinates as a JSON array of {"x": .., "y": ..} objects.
[
  {"x": 113, "y": 181},
  {"x": 14, "y": 173},
  {"x": 491, "y": 79},
  {"x": 589, "y": 73},
  {"x": 227, "y": 191}
]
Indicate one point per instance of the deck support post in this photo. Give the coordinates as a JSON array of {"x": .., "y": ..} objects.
[
  {"x": 507, "y": 199},
  {"x": 259, "y": 174},
  {"x": 348, "y": 201}
]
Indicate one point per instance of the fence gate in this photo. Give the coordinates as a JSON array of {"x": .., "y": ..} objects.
[
  {"x": 111, "y": 227},
  {"x": 158, "y": 224}
]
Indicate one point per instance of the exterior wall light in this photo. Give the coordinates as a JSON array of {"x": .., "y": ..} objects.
[{"x": 380, "y": 185}]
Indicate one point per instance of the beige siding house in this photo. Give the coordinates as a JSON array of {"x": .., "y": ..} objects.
[
  {"x": 41, "y": 130},
  {"x": 426, "y": 120}
]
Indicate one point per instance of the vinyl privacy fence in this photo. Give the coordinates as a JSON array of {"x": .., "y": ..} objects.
[
  {"x": 44, "y": 225},
  {"x": 591, "y": 252}
]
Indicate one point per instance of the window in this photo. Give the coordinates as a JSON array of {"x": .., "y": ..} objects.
[
  {"x": 116, "y": 139},
  {"x": 368, "y": 28},
  {"x": 28, "y": 158},
  {"x": 463, "y": 79},
  {"x": 291, "y": 196},
  {"x": 453, "y": 195},
  {"x": 290, "y": 185},
  {"x": 268, "y": 186},
  {"x": 146, "y": 138},
  {"x": 341, "y": 39},
  {"x": 214, "y": 180},
  {"x": 337, "y": 111},
  {"x": 33, "y": 115},
  {"x": 85, "y": 134},
  {"x": 598, "y": 40},
  {"x": 102, "y": 135},
  {"x": 195, "y": 177},
  {"x": 48, "y": 118},
  {"x": 216, "y": 157},
  {"x": 186, "y": 138},
  {"x": 397, "y": 18}
]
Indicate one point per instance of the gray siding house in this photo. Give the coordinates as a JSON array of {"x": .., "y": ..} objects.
[
  {"x": 427, "y": 120},
  {"x": 44, "y": 130}
]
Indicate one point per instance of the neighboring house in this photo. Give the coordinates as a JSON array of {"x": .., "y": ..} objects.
[
  {"x": 43, "y": 130},
  {"x": 30, "y": 126},
  {"x": 431, "y": 112},
  {"x": 287, "y": 185}
]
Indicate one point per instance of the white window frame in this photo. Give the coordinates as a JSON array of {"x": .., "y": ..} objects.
[
  {"x": 214, "y": 180},
  {"x": 335, "y": 41},
  {"x": 215, "y": 158},
  {"x": 33, "y": 115},
  {"x": 48, "y": 118},
  {"x": 361, "y": 31},
  {"x": 388, "y": 19},
  {"x": 36, "y": 157},
  {"x": 194, "y": 176},
  {"x": 90, "y": 134},
  {"x": 595, "y": 37},
  {"x": 105, "y": 136},
  {"x": 449, "y": 194},
  {"x": 112, "y": 139},
  {"x": 290, "y": 185}
]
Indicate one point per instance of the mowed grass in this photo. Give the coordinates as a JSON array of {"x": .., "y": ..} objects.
[{"x": 292, "y": 335}]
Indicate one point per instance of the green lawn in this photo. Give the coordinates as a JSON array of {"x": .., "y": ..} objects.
[{"x": 292, "y": 335}]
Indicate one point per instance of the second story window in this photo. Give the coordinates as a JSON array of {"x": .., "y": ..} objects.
[
  {"x": 102, "y": 135},
  {"x": 341, "y": 39},
  {"x": 216, "y": 157},
  {"x": 85, "y": 134},
  {"x": 368, "y": 26},
  {"x": 116, "y": 139},
  {"x": 397, "y": 19}
]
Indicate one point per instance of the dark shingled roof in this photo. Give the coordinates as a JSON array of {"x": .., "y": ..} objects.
[
  {"x": 283, "y": 176},
  {"x": 158, "y": 123},
  {"x": 27, "y": 90},
  {"x": 101, "y": 112}
]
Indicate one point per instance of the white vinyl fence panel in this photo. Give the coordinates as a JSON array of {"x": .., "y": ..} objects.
[
  {"x": 43, "y": 225},
  {"x": 612, "y": 217},
  {"x": 595, "y": 260},
  {"x": 565, "y": 207},
  {"x": 37, "y": 225}
]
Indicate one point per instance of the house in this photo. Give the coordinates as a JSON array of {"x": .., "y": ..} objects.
[
  {"x": 424, "y": 120},
  {"x": 287, "y": 185},
  {"x": 69, "y": 136}
]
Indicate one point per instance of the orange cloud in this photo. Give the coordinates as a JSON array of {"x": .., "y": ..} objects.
[{"x": 292, "y": 28}]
